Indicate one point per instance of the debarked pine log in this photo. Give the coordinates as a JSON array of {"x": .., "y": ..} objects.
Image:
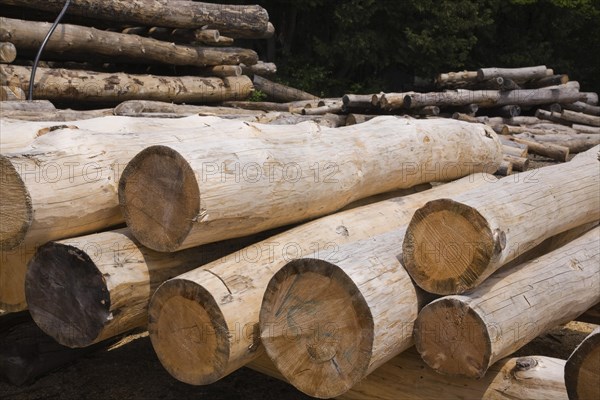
[
  {"x": 407, "y": 377},
  {"x": 173, "y": 14},
  {"x": 575, "y": 143},
  {"x": 582, "y": 370},
  {"x": 79, "y": 42},
  {"x": 519, "y": 75},
  {"x": 222, "y": 300},
  {"x": 452, "y": 245},
  {"x": 230, "y": 188},
  {"x": 464, "y": 335},
  {"x": 89, "y": 86},
  {"x": 87, "y": 289},
  {"x": 279, "y": 92}
]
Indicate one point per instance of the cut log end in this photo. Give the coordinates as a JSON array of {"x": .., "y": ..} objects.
[
  {"x": 320, "y": 357},
  {"x": 78, "y": 314},
  {"x": 188, "y": 332},
  {"x": 451, "y": 320},
  {"x": 582, "y": 370},
  {"x": 158, "y": 193},
  {"x": 15, "y": 206},
  {"x": 447, "y": 247}
]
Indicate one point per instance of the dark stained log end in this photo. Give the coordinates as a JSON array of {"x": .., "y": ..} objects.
[
  {"x": 159, "y": 193},
  {"x": 447, "y": 246},
  {"x": 67, "y": 279},
  {"x": 582, "y": 370},
  {"x": 15, "y": 205},
  {"x": 317, "y": 327}
]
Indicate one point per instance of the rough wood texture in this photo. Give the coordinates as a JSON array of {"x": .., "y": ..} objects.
[
  {"x": 136, "y": 107},
  {"x": 585, "y": 129},
  {"x": 505, "y": 169},
  {"x": 580, "y": 118},
  {"x": 13, "y": 266},
  {"x": 74, "y": 85},
  {"x": 493, "y": 98},
  {"x": 8, "y": 51},
  {"x": 79, "y": 42},
  {"x": 456, "y": 79},
  {"x": 464, "y": 335},
  {"x": 250, "y": 20},
  {"x": 279, "y": 92},
  {"x": 519, "y": 75},
  {"x": 224, "y": 298},
  {"x": 12, "y": 94},
  {"x": 590, "y": 98},
  {"x": 582, "y": 370},
  {"x": 87, "y": 289},
  {"x": 548, "y": 81},
  {"x": 329, "y": 320},
  {"x": 452, "y": 245},
  {"x": 50, "y": 115},
  {"x": 231, "y": 188},
  {"x": 520, "y": 164},
  {"x": 553, "y": 151},
  {"x": 575, "y": 143},
  {"x": 407, "y": 377},
  {"x": 260, "y": 68}
]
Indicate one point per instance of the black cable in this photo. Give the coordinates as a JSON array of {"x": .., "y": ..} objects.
[{"x": 39, "y": 54}]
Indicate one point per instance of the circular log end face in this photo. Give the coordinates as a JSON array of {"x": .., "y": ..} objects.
[
  {"x": 160, "y": 198},
  {"x": 67, "y": 295},
  {"x": 447, "y": 246},
  {"x": 188, "y": 332},
  {"x": 452, "y": 338},
  {"x": 15, "y": 205},
  {"x": 582, "y": 370},
  {"x": 317, "y": 328}
]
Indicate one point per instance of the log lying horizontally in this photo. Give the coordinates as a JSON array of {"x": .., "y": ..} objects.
[
  {"x": 88, "y": 86},
  {"x": 81, "y": 42},
  {"x": 575, "y": 143},
  {"x": 223, "y": 189},
  {"x": 216, "y": 292},
  {"x": 279, "y": 92},
  {"x": 464, "y": 335},
  {"x": 87, "y": 289},
  {"x": 583, "y": 108},
  {"x": 519, "y": 75},
  {"x": 407, "y": 377},
  {"x": 179, "y": 14},
  {"x": 582, "y": 370},
  {"x": 452, "y": 245}
]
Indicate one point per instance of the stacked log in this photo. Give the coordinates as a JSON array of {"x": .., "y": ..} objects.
[{"x": 582, "y": 370}]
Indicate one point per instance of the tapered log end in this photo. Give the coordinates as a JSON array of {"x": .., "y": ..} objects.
[
  {"x": 159, "y": 198},
  {"x": 15, "y": 205},
  {"x": 189, "y": 333},
  {"x": 317, "y": 328},
  {"x": 67, "y": 295},
  {"x": 452, "y": 338},
  {"x": 582, "y": 370},
  {"x": 448, "y": 246}
]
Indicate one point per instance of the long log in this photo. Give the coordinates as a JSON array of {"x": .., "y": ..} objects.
[
  {"x": 575, "y": 143},
  {"x": 582, "y": 107},
  {"x": 407, "y": 377},
  {"x": 519, "y": 75},
  {"x": 88, "y": 86},
  {"x": 217, "y": 290},
  {"x": 550, "y": 150},
  {"x": 279, "y": 92},
  {"x": 582, "y": 370},
  {"x": 83, "y": 290},
  {"x": 452, "y": 245},
  {"x": 585, "y": 129},
  {"x": 493, "y": 98},
  {"x": 224, "y": 190},
  {"x": 464, "y": 335},
  {"x": 56, "y": 115},
  {"x": 133, "y": 107},
  {"x": 174, "y": 14},
  {"x": 79, "y": 42},
  {"x": 8, "y": 51},
  {"x": 580, "y": 118},
  {"x": 552, "y": 116},
  {"x": 362, "y": 101}
]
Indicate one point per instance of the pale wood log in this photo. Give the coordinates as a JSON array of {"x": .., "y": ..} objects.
[
  {"x": 456, "y": 79},
  {"x": 262, "y": 105},
  {"x": 72, "y": 85},
  {"x": 555, "y": 117},
  {"x": 533, "y": 377},
  {"x": 327, "y": 109},
  {"x": 582, "y": 107},
  {"x": 279, "y": 92},
  {"x": 219, "y": 289},
  {"x": 580, "y": 118},
  {"x": 354, "y": 119},
  {"x": 261, "y": 68},
  {"x": 537, "y": 129},
  {"x": 223, "y": 71},
  {"x": 551, "y": 80},
  {"x": 519, "y": 75},
  {"x": 394, "y": 101},
  {"x": 207, "y": 206},
  {"x": 237, "y": 33},
  {"x": 464, "y": 335},
  {"x": 326, "y": 120},
  {"x": 492, "y": 98},
  {"x": 35, "y": 105},
  {"x": 520, "y": 120},
  {"x": 520, "y": 164},
  {"x": 56, "y": 116},
  {"x": 582, "y": 370},
  {"x": 585, "y": 128},
  {"x": 8, "y": 51},
  {"x": 505, "y": 169},
  {"x": 133, "y": 107},
  {"x": 353, "y": 101},
  {"x": 79, "y": 42},
  {"x": 590, "y": 98},
  {"x": 514, "y": 149},
  {"x": 483, "y": 230},
  {"x": 173, "y": 14},
  {"x": 84, "y": 290},
  {"x": 466, "y": 118},
  {"x": 550, "y": 127},
  {"x": 575, "y": 143},
  {"x": 550, "y": 150},
  {"x": 11, "y": 94}
]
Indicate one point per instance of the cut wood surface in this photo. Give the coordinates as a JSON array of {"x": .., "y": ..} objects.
[
  {"x": 231, "y": 188},
  {"x": 224, "y": 297},
  {"x": 173, "y": 14},
  {"x": 8, "y": 51},
  {"x": 12, "y": 94},
  {"x": 453, "y": 244},
  {"x": 75, "y": 85},
  {"x": 87, "y": 289},
  {"x": 13, "y": 267},
  {"x": 80, "y": 42},
  {"x": 582, "y": 370},
  {"x": 464, "y": 335},
  {"x": 407, "y": 377}
]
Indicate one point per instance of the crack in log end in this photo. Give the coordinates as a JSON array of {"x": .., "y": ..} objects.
[{"x": 15, "y": 206}]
